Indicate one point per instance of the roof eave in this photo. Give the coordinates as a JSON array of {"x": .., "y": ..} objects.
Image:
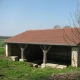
[{"x": 37, "y": 43}]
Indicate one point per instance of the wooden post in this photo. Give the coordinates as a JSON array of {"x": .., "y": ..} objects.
[
  {"x": 22, "y": 47},
  {"x": 22, "y": 53},
  {"x": 44, "y": 56},
  {"x": 45, "y": 49}
]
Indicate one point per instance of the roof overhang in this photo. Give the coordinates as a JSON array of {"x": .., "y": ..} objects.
[{"x": 38, "y": 43}]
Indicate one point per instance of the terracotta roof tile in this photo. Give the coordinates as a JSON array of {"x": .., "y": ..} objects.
[{"x": 69, "y": 36}]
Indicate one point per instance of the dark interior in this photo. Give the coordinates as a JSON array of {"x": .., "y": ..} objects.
[
  {"x": 34, "y": 53},
  {"x": 60, "y": 55}
]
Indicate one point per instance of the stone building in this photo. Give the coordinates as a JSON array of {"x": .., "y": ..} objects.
[{"x": 59, "y": 46}]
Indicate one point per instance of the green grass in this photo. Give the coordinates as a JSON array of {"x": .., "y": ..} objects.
[
  {"x": 10, "y": 70},
  {"x": 1, "y": 51}
]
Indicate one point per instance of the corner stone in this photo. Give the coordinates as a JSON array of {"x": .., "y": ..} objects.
[
  {"x": 22, "y": 60},
  {"x": 43, "y": 65}
]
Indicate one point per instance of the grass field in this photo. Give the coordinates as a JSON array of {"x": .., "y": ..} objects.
[
  {"x": 1, "y": 51},
  {"x": 10, "y": 70},
  {"x": 1, "y": 43}
]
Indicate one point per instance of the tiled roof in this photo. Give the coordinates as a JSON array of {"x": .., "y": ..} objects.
[{"x": 64, "y": 36}]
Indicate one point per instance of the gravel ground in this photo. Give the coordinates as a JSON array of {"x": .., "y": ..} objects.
[{"x": 64, "y": 76}]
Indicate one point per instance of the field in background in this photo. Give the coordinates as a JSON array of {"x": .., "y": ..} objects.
[
  {"x": 1, "y": 43},
  {"x": 2, "y": 38}
]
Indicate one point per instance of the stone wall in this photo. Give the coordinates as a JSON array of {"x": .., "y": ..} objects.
[
  {"x": 79, "y": 55},
  {"x": 75, "y": 56}
]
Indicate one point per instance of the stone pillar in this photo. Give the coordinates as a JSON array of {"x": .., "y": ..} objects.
[
  {"x": 7, "y": 49},
  {"x": 75, "y": 59}
]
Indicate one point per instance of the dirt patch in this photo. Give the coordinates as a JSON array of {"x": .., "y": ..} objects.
[
  {"x": 2, "y": 57},
  {"x": 64, "y": 76}
]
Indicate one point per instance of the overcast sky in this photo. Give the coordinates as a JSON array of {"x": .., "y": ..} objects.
[{"x": 17, "y": 16}]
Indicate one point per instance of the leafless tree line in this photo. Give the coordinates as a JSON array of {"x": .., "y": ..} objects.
[{"x": 76, "y": 25}]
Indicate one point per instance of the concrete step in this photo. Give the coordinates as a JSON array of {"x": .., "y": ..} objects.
[{"x": 61, "y": 66}]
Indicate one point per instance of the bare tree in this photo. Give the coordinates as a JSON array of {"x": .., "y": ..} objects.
[
  {"x": 67, "y": 26},
  {"x": 76, "y": 23},
  {"x": 77, "y": 14}
]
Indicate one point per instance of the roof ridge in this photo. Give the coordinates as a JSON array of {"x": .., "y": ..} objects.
[{"x": 52, "y": 29}]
